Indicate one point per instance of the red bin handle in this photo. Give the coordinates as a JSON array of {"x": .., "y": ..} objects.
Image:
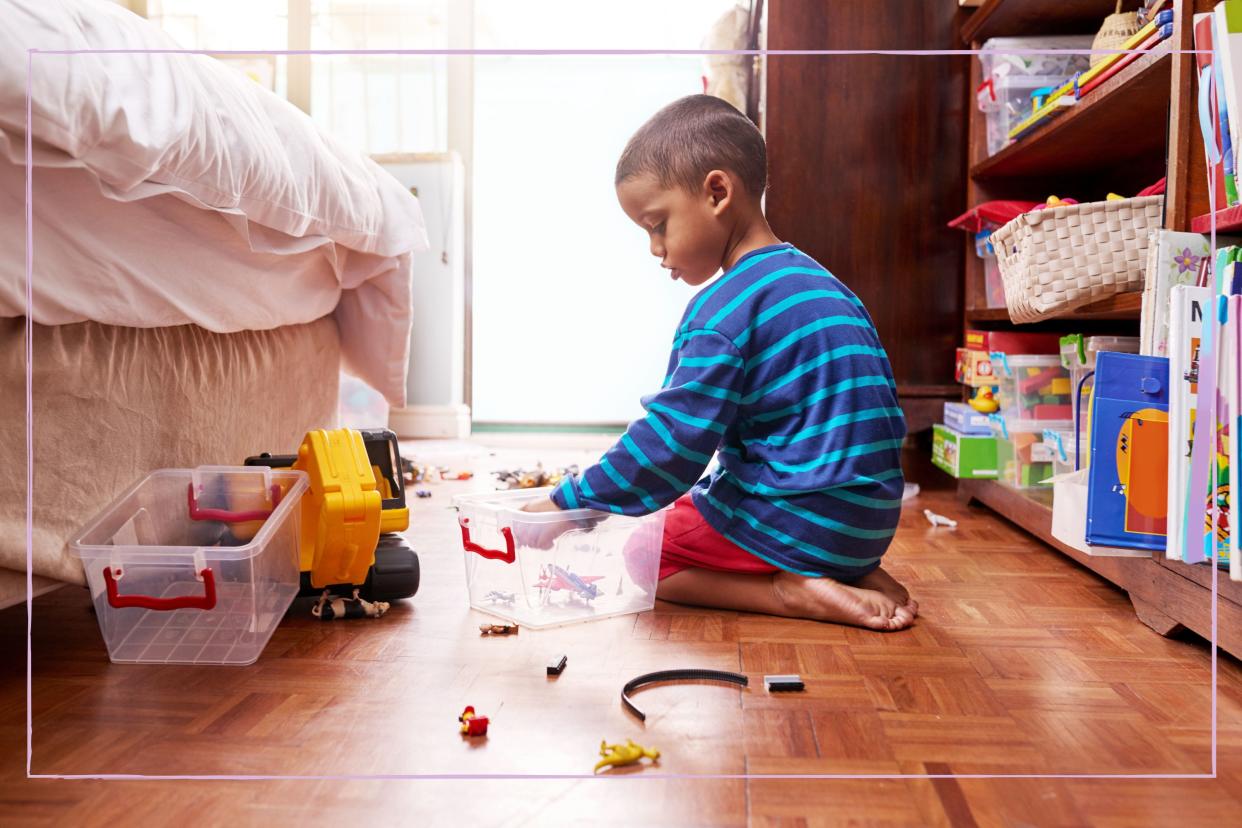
[
  {"x": 205, "y": 601},
  {"x": 508, "y": 556}
]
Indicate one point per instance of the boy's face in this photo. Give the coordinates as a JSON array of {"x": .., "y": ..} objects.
[{"x": 686, "y": 229}]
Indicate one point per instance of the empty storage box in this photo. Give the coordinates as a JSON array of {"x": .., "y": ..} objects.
[
  {"x": 195, "y": 566},
  {"x": 595, "y": 564}
]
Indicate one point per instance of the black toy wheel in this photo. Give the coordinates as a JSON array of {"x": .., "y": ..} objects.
[{"x": 395, "y": 572}]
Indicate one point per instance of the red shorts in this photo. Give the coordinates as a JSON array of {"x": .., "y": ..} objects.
[{"x": 691, "y": 542}]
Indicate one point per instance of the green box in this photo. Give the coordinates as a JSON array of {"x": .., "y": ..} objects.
[{"x": 965, "y": 456}]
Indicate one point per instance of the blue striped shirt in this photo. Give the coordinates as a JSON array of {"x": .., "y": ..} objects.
[{"x": 777, "y": 370}]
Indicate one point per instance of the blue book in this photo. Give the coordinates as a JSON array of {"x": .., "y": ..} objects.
[{"x": 1127, "y": 484}]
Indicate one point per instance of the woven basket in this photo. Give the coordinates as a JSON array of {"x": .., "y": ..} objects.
[
  {"x": 1118, "y": 27},
  {"x": 1060, "y": 258}
]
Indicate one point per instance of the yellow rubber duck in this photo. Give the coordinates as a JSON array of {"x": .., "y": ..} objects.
[
  {"x": 627, "y": 754},
  {"x": 983, "y": 401}
]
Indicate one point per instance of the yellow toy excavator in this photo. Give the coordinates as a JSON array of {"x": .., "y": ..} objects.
[{"x": 352, "y": 514}]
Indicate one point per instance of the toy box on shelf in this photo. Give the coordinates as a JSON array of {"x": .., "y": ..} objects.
[
  {"x": 1034, "y": 387},
  {"x": 1023, "y": 460},
  {"x": 1078, "y": 355},
  {"x": 965, "y": 456},
  {"x": 1011, "y": 73},
  {"x": 596, "y": 564},
  {"x": 966, "y": 420},
  {"x": 195, "y": 566}
]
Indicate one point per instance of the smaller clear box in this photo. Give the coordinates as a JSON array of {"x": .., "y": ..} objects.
[
  {"x": 1032, "y": 388},
  {"x": 1023, "y": 459},
  {"x": 1064, "y": 448},
  {"x": 195, "y": 566},
  {"x": 1078, "y": 354},
  {"x": 595, "y": 564}
]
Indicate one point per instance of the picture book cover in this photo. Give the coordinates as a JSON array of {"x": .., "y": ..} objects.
[
  {"x": 1234, "y": 394},
  {"x": 1195, "y": 541},
  {"x": 1187, "y": 305},
  {"x": 1173, "y": 259},
  {"x": 1217, "y": 517},
  {"x": 1127, "y": 484}
]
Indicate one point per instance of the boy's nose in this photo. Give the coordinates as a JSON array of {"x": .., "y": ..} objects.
[{"x": 657, "y": 250}]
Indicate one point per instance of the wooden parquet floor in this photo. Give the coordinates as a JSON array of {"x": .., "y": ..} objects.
[{"x": 1021, "y": 663}]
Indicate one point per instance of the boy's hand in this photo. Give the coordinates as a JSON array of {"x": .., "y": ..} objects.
[{"x": 542, "y": 535}]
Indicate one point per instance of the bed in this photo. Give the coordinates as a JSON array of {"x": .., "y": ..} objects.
[{"x": 205, "y": 262}]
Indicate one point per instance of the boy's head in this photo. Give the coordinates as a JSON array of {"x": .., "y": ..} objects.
[{"x": 690, "y": 177}]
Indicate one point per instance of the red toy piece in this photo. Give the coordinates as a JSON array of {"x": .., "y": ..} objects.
[{"x": 471, "y": 723}]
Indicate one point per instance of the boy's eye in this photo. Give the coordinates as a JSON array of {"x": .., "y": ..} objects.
[{"x": 659, "y": 228}]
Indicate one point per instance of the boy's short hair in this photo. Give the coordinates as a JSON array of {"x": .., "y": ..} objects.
[{"x": 692, "y": 136}]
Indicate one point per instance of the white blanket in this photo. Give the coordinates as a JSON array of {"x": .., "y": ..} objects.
[{"x": 171, "y": 189}]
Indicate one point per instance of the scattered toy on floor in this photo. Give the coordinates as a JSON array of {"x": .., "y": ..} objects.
[
  {"x": 472, "y": 724},
  {"x": 422, "y": 493},
  {"x": 783, "y": 684},
  {"x": 627, "y": 754},
  {"x": 532, "y": 478},
  {"x": 498, "y": 629},
  {"x": 498, "y": 597},
  {"x": 557, "y": 665},
  {"x": 939, "y": 520},
  {"x": 446, "y": 474},
  {"x": 331, "y": 607},
  {"x": 691, "y": 674}
]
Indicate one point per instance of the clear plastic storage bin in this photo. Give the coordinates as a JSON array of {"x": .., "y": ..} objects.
[
  {"x": 1023, "y": 459},
  {"x": 601, "y": 565},
  {"x": 195, "y": 566},
  {"x": 1008, "y": 79},
  {"x": 1032, "y": 387},
  {"x": 1078, "y": 355},
  {"x": 1063, "y": 447}
]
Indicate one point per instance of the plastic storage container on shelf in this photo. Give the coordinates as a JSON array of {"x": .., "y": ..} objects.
[
  {"x": 1011, "y": 72},
  {"x": 993, "y": 282},
  {"x": 1078, "y": 354},
  {"x": 1023, "y": 459},
  {"x": 195, "y": 566},
  {"x": 1064, "y": 448},
  {"x": 1032, "y": 387},
  {"x": 596, "y": 564}
]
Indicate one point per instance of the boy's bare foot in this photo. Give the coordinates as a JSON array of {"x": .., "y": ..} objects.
[
  {"x": 881, "y": 581},
  {"x": 824, "y": 599}
]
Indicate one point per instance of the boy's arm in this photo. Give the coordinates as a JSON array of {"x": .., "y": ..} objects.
[{"x": 663, "y": 454}]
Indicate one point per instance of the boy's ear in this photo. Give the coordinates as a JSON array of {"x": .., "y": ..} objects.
[{"x": 718, "y": 188}]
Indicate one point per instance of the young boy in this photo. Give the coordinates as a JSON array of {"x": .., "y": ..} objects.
[{"x": 777, "y": 366}]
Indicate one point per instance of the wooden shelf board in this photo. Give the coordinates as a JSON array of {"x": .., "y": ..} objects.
[
  {"x": 1012, "y": 18},
  {"x": 1178, "y": 590},
  {"x": 1119, "y": 123},
  {"x": 1228, "y": 220},
  {"x": 1120, "y": 306}
]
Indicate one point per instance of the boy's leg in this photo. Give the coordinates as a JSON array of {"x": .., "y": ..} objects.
[{"x": 793, "y": 596}]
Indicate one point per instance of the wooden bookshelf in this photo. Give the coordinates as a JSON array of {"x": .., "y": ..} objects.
[
  {"x": 1122, "y": 306},
  {"x": 1166, "y": 594},
  {"x": 1111, "y": 125},
  {"x": 1016, "y": 18},
  {"x": 1132, "y": 129}
]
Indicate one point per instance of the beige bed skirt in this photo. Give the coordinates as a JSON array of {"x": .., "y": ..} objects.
[{"x": 111, "y": 404}]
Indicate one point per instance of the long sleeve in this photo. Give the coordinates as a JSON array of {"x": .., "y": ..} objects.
[{"x": 661, "y": 456}]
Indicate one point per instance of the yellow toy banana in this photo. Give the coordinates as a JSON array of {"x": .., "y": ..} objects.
[{"x": 627, "y": 754}]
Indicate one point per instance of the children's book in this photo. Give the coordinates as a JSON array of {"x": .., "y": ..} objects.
[
  {"x": 1217, "y": 521},
  {"x": 1127, "y": 482},
  {"x": 1211, "y": 110},
  {"x": 1187, "y": 305},
  {"x": 1227, "y": 40},
  {"x": 1172, "y": 259},
  {"x": 1235, "y": 407}
]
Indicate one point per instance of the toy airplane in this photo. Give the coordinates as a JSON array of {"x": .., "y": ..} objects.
[
  {"x": 554, "y": 577},
  {"x": 627, "y": 754}
]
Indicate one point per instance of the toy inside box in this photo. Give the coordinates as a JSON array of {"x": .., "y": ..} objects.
[
  {"x": 965, "y": 456},
  {"x": 600, "y": 565},
  {"x": 1023, "y": 460},
  {"x": 1032, "y": 387},
  {"x": 195, "y": 566}
]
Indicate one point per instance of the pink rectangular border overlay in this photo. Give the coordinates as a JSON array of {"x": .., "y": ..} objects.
[{"x": 30, "y": 53}]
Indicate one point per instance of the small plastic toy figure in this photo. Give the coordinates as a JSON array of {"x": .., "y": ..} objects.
[
  {"x": 627, "y": 754},
  {"x": 498, "y": 597},
  {"x": 331, "y": 607},
  {"x": 422, "y": 493},
  {"x": 939, "y": 520},
  {"x": 497, "y": 629},
  {"x": 472, "y": 724},
  {"x": 984, "y": 401}
]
